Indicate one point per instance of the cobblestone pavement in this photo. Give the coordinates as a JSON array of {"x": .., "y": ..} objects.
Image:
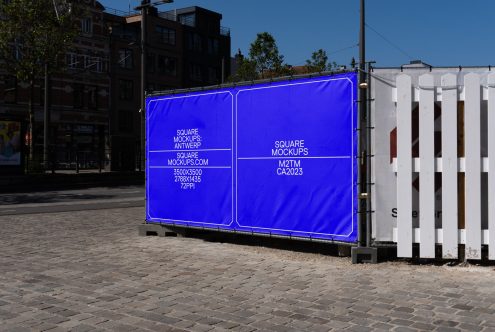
[{"x": 89, "y": 270}]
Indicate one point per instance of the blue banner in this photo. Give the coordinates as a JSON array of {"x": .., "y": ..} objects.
[{"x": 276, "y": 158}]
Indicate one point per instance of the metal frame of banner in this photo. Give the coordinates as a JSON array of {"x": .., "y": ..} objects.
[
  {"x": 248, "y": 83},
  {"x": 361, "y": 212}
]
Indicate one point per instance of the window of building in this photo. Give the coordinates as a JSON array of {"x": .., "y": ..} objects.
[
  {"x": 165, "y": 35},
  {"x": 72, "y": 60},
  {"x": 195, "y": 72},
  {"x": 213, "y": 75},
  {"x": 126, "y": 122},
  {"x": 88, "y": 64},
  {"x": 213, "y": 46},
  {"x": 87, "y": 25},
  {"x": 16, "y": 49},
  {"x": 101, "y": 64},
  {"x": 41, "y": 92},
  {"x": 126, "y": 89},
  {"x": 10, "y": 89},
  {"x": 150, "y": 63},
  {"x": 125, "y": 31},
  {"x": 95, "y": 64},
  {"x": 167, "y": 65},
  {"x": 194, "y": 42},
  {"x": 125, "y": 58},
  {"x": 78, "y": 96},
  {"x": 92, "y": 96},
  {"x": 188, "y": 19}
]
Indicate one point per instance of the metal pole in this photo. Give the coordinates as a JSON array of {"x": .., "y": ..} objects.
[
  {"x": 144, "y": 11},
  {"x": 223, "y": 70},
  {"x": 362, "y": 106},
  {"x": 46, "y": 120},
  {"x": 368, "y": 164},
  {"x": 111, "y": 113}
]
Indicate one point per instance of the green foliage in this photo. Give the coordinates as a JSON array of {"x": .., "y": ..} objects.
[
  {"x": 264, "y": 61},
  {"x": 285, "y": 70},
  {"x": 264, "y": 53},
  {"x": 32, "y": 35},
  {"x": 246, "y": 71},
  {"x": 319, "y": 62}
]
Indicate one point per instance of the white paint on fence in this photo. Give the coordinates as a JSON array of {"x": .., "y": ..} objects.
[
  {"x": 472, "y": 129},
  {"x": 438, "y": 93},
  {"x": 449, "y": 166},
  {"x": 461, "y": 165},
  {"x": 440, "y": 237},
  {"x": 491, "y": 166},
  {"x": 404, "y": 166},
  {"x": 427, "y": 157}
]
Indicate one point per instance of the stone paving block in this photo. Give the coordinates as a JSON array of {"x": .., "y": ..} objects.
[
  {"x": 200, "y": 328},
  {"x": 358, "y": 328},
  {"x": 446, "y": 329},
  {"x": 446, "y": 323},
  {"x": 403, "y": 329},
  {"x": 243, "y": 328},
  {"x": 13, "y": 328},
  {"x": 423, "y": 326},
  {"x": 382, "y": 326},
  {"x": 469, "y": 327},
  {"x": 82, "y": 328},
  {"x": 401, "y": 322}
]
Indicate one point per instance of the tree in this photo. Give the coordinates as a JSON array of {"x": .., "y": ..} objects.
[
  {"x": 34, "y": 34},
  {"x": 246, "y": 71},
  {"x": 319, "y": 62},
  {"x": 264, "y": 53}
]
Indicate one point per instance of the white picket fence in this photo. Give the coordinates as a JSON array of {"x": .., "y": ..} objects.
[{"x": 473, "y": 93}]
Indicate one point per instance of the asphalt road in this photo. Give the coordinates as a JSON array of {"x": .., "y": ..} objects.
[{"x": 71, "y": 200}]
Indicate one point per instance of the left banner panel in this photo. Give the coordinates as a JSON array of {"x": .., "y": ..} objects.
[{"x": 190, "y": 159}]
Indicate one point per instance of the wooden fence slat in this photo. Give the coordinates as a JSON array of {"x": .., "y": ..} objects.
[
  {"x": 404, "y": 166},
  {"x": 472, "y": 125},
  {"x": 427, "y": 168},
  {"x": 491, "y": 166},
  {"x": 449, "y": 166}
]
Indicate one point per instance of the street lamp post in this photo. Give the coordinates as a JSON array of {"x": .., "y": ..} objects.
[
  {"x": 46, "y": 120},
  {"x": 46, "y": 111},
  {"x": 145, "y": 5}
]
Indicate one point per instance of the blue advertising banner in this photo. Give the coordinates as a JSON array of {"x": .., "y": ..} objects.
[{"x": 276, "y": 158}]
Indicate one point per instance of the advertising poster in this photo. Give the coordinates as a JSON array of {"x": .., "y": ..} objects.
[
  {"x": 10, "y": 143},
  {"x": 274, "y": 158}
]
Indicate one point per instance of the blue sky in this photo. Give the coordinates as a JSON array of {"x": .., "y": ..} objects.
[{"x": 439, "y": 32}]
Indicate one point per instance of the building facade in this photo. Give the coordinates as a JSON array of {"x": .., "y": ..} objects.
[
  {"x": 78, "y": 98},
  {"x": 94, "y": 103},
  {"x": 184, "y": 48}
]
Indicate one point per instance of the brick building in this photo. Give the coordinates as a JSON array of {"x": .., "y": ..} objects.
[
  {"x": 78, "y": 98},
  {"x": 94, "y": 105}
]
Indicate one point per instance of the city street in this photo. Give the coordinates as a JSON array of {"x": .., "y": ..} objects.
[
  {"x": 88, "y": 270},
  {"x": 71, "y": 200}
]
